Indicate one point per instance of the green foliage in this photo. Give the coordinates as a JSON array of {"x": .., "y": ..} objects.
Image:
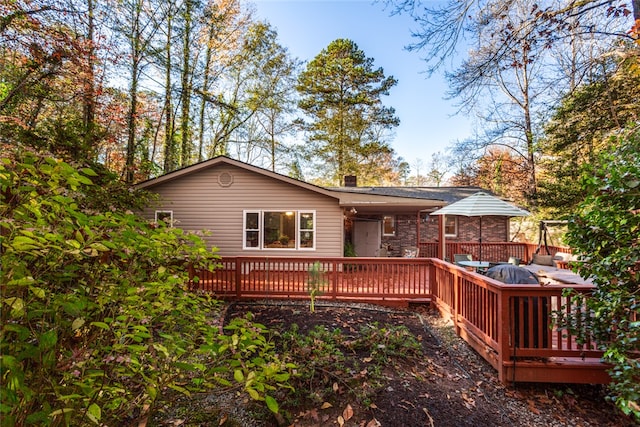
[
  {"x": 349, "y": 249},
  {"x": 96, "y": 320},
  {"x": 391, "y": 341},
  {"x": 317, "y": 282},
  {"x": 340, "y": 91},
  {"x": 604, "y": 231},
  {"x": 579, "y": 130},
  {"x": 253, "y": 363}
]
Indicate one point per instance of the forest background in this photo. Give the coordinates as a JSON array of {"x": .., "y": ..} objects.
[
  {"x": 556, "y": 86},
  {"x": 145, "y": 87}
]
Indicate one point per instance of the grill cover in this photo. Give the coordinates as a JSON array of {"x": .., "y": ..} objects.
[{"x": 512, "y": 274}]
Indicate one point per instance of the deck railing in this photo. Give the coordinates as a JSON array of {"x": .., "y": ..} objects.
[
  {"x": 512, "y": 326},
  {"x": 491, "y": 251},
  {"x": 391, "y": 280}
]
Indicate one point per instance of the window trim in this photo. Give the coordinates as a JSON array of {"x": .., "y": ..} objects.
[
  {"x": 455, "y": 226},
  {"x": 299, "y": 230},
  {"x": 245, "y": 230},
  {"x": 393, "y": 219},
  {"x": 164, "y": 211},
  {"x": 261, "y": 215}
]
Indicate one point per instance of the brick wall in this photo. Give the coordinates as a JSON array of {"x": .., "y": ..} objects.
[{"x": 494, "y": 229}]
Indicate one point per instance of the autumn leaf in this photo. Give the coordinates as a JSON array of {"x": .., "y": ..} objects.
[
  {"x": 340, "y": 420},
  {"x": 326, "y": 405},
  {"x": 373, "y": 423},
  {"x": 347, "y": 414}
]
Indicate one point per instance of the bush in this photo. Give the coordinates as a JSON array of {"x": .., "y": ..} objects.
[
  {"x": 96, "y": 319},
  {"x": 604, "y": 232}
]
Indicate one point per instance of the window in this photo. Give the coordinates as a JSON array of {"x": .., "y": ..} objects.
[
  {"x": 450, "y": 226},
  {"x": 389, "y": 225},
  {"x": 307, "y": 230},
  {"x": 166, "y": 216},
  {"x": 279, "y": 230}
]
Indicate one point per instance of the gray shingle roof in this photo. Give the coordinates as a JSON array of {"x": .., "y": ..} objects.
[{"x": 446, "y": 194}]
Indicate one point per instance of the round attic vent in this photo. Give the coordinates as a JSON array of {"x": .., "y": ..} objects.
[{"x": 225, "y": 179}]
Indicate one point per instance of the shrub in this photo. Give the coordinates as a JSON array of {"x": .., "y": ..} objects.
[
  {"x": 96, "y": 320},
  {"x": 604, "y": 232}
]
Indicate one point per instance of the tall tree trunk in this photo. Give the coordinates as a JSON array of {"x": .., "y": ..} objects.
[
  {"x": 528, "y": 130},
  {"x": 131, "y": 124},
  {"x": 185, "y": 128},
  {"x": 133, "y": 92},
  {"x": 205, "y": 92},
  {"x": 170, "y": 162},
  {"x": 89, "y": 107}
]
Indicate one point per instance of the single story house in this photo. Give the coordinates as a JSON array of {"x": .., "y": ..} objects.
[{"x": 251, "y": 211}]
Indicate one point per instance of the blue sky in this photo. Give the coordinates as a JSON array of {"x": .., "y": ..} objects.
[{"x": 306, "y": 27}]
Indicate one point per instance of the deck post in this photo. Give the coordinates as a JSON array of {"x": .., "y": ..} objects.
[
  {"x": 336, "y": 277},
  {"x": 505, "y": 326},
  {"x": 456, "y": 301},
  {"x": 238, "y": 278}
]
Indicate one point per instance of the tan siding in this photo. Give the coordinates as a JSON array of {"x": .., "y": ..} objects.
[{"x": 199, "y": 202}]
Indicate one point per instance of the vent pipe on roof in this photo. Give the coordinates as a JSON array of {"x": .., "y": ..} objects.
[{"x": 350, "y": 181}]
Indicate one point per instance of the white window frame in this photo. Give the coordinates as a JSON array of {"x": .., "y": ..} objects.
[
  {"x": 245, "y": 230},
  {"x": 393, "y": 220},
  {"x": 261, "y": 215},
  {"x": 311, "y": 230},
  {"x": 163, "y": 211},
  {"x": 455, "y": 226}
]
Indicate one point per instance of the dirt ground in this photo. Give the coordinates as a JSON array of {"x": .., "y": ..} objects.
[{"x": 449, "y": 386}]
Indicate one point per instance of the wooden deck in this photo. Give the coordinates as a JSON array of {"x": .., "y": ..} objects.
[{"x": 511, "y": 326}]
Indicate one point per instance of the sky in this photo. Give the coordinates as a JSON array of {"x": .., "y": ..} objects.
[{"x": 428, "y": 123}]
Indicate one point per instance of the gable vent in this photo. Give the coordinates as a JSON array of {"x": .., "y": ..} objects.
[{"x": 225, "y": 179}]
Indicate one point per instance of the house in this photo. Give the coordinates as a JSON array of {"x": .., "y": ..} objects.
[{"x": 253, "y": 211}]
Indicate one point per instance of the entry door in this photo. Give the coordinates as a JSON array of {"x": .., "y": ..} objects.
[{"x": 367, "y": 238}]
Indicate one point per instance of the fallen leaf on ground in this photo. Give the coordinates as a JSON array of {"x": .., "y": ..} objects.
[
  {"x": 347, "y": 413},
  {"x": 373, "y": 423}
]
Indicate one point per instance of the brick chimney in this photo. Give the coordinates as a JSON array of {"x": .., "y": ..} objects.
[{"x": 350, "y": 181}]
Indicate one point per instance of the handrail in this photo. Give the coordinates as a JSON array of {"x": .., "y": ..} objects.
[
  {"x": 509, "y": 325},
  {"x": 491, "y": 251}
]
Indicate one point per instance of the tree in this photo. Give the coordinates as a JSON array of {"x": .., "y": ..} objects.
[
  {"x": 47, "y": 74},
  {"x": 580, "y": 128},
  {"x": 510, "y": 78},
  {"x": 274, "y": 86},
  {"x": 138, "y": 25},
  {"x": 340, "y": 93},
  {"x": 444, "y": 28},
  {"x": 186, "y": 146},
  {"x": 80, "y": 343},
  {"x": 437, "y": 169},
  {"x": 604, "y": 231}
]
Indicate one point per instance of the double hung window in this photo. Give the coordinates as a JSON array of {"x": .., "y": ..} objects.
[
  {"x": 450, "y": 226},
  {"x": 279, "y": 230}
]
